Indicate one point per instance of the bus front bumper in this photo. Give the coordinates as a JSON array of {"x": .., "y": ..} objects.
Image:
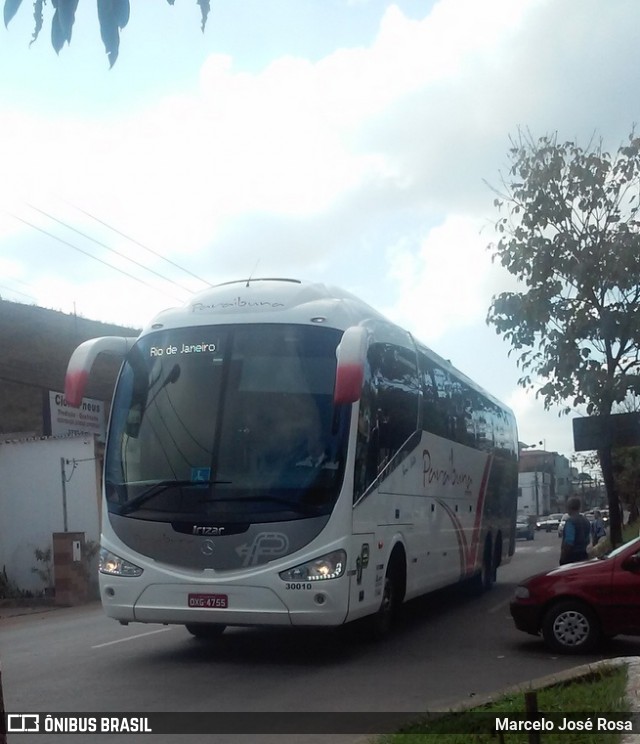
[{"x": 225, "y": 605}]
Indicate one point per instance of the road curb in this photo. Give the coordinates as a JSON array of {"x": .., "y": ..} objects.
[
  {"x": 584, "y": 670},
  {"x": 633, "y": 690},
  {"x": 633, "y": 687},
  {"x": 633, "y": 694},
  {"x": 14, "y": 610},
  {"x": 8, "y": 612}
]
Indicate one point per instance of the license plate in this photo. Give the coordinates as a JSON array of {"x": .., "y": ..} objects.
[{"x": 209, "y": 601}]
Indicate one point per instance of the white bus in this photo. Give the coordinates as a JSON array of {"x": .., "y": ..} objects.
[{"x": 279, "y": 453}]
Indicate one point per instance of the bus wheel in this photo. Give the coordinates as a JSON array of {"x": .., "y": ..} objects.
[
  {"x": 380, "y": 624},
  {"x": 488, "y": 573},
  {"x": 483, "y": 580},
  {"x": 205, "y": 631}
]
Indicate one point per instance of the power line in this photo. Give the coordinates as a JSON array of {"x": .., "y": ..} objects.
[
  {"x": 17, "y": 291},
  {"x": 104, "y": 245},
  {"x": 137, "y": 242},
  {"x": 90, "y": 255},
  {"x": 15, "y": 280}
]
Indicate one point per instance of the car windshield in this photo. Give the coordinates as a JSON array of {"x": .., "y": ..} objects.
[
  {"x": 621, "y": 548},
  {"x": 233, "y": 423}
]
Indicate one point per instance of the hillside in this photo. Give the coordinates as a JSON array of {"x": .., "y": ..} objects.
[{"x": 35, "y": 346}]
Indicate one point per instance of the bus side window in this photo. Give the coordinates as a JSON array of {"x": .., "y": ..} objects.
[
  {"x": 399, "y": 397},
  {"x": 367, "y": 440},
  {"x": 434, "y": 409},
  {"x": 388, "y": 409}
]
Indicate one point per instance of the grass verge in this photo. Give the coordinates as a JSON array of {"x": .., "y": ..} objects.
[{"x": 602, "y": 690}]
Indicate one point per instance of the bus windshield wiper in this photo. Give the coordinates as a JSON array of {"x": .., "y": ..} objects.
[{"x": 159, "y": 487}]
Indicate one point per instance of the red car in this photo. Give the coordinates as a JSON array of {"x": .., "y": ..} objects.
[{"x": 577, "y": 605}]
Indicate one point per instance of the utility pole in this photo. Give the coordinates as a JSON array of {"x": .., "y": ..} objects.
[{"x": 63, "y": 476}]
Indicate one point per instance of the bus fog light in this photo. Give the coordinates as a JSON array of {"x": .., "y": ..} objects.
[
  {"x": 113, "y": 565},
  {"x": 329, "y": 566},
  {"x": 320, "y": 599}
]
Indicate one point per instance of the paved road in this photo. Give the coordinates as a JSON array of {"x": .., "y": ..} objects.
[{"x": 447, "y": 648}]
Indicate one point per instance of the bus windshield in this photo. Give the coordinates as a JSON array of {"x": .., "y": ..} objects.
[{"x": 227, "y": 423}]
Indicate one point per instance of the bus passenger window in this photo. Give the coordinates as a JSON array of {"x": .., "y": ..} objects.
[{"x": 388, "y": 410}]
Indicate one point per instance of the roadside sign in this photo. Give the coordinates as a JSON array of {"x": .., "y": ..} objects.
[{"x": 599, "y": 432}]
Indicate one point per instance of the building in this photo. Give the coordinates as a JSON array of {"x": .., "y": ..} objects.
[
  {"x": 544, "y": 481},
  {"x": 50, "y": 455},
  {"x": 534, "y": 493},
  {"x": 36, "y": 346}
]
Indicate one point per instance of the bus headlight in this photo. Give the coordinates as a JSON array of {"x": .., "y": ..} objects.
[
  {"x": 329, "y": 566},
  {"x": 113, "y": 565}
]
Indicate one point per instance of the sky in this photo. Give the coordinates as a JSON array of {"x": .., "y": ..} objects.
[{"x": 352, "y": 142}]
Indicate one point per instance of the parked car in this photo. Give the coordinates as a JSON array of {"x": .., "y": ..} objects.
[
  {"x": 577, "y": 605},
  {"x": 549, "y": 523},
  {"x": 561, "y": 525},
  {"x": 525, "y": 527}
]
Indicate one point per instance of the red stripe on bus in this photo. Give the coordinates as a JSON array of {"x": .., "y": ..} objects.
[
  {"x": 460, "y": 535},
  {"x": 472, "y": 556},
  {"x": 348, "y": 382},
  {"x": 74, "y": 386}
]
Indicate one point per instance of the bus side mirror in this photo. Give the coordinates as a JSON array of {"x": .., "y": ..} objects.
[
  {"x": 82, "y": 360},
  {"x": 351, "y": 354}
]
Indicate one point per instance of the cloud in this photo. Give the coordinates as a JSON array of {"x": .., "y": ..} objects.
[
  {"x": 442, "y": 285},
  {"x": 409, "y": 125},
  {"x": 287, "y": 140},
  {"x": 366, "y": 167},
  {"x": 536, "y": 425}
]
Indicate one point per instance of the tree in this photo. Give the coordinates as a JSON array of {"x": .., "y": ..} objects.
[
  {"x": 626, "y": 469},
  {"x": 113, "y": 16},
  {"x": 571, "y": 236}
]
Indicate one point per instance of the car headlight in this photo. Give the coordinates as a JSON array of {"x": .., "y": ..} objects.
[
  {"x": 112, "y": 564},
  {"x": 329, "y": 566},
  {"x": 522, "y": 592}
]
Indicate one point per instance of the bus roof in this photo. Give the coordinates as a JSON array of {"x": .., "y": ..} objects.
[
  {"x": 287, "y": 300},
  {"x": 268, "y": 300}
]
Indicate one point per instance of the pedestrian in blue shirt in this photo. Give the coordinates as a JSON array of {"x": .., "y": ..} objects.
[
  {"x": 576, "y": 535},
  {"x": 598, "y": 530}
]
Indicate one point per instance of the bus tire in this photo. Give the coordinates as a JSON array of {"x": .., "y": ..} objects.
[
  {"x": 483, "y": 580},
  {"x": 205, "y": 631},
  {"x": 489, "y": 568},
  {"x": 381, "y": 623}
]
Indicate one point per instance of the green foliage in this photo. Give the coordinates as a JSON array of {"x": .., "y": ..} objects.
[
  {"x": 569, "y": 231},
  {"x": 113, "y": 16},
  {"x": 601, "y": 691},
  {"x": 9, "y": 589},
  {"x": 626, "y": 470},
  {"x": 62, "y": 22},
  {"x": 44, "y": 568}
]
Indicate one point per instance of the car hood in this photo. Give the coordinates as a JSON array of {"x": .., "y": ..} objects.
[
  {"x": 588, "y": 565},
  {"x": 571, "y": 571}
]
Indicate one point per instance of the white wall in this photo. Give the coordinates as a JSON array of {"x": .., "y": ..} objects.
[
  {"x": 528, "y": 484},
  {"x": 31, "y": 500}
]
